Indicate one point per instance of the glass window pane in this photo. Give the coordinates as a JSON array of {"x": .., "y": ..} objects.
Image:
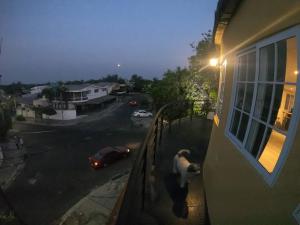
[
  {"x": 255, "y": 137},
  {"x": 251, "y": 66},
  {"x": 240, "y": 95},
  {"x": 243, "y": 127},
  {"x": 272, "y": 150},
  {"x": 283, "y": 106},
  {"x": 266, "y": 63},
  {"x": 263, "y": 101},
  {"x": 235, "y": 122},
  {"x": 248, "y": 98},
  {"x": 242, "y": 68},
  {"x": 287, "y": 60}
]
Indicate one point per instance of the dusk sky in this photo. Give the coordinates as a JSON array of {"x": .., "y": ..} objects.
[{"x": 51, "y": 40}]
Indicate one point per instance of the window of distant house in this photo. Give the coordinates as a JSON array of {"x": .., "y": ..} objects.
[
  {"x": 219, "y": 105},
  {"x": 89, "y": 92},
  {"x": 264, "y": 98},
  {"x": 103, "y": 89},
  {"x": 96, "y": 90}
]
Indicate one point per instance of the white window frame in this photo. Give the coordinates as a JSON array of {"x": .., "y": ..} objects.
[{"x": 270, "y": 178}]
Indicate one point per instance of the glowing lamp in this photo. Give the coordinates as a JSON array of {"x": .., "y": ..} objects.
[{"x": 213, "y": 62}]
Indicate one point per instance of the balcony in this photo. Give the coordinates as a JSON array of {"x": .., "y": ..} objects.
[
  {"x": 78, "y": 99},
  {"x": 153, "y": 195}
]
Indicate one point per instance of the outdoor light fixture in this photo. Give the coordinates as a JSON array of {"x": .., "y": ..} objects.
[{"x": 213, "y": 62}]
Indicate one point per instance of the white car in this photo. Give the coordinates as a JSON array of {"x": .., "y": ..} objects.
[{"x": 142, "y": 113}]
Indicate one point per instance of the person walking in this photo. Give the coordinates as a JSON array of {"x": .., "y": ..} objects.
[{"x": 21, "y": 143}]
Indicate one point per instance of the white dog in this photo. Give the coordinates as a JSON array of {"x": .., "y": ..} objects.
[{"x": 182, "y": 166}]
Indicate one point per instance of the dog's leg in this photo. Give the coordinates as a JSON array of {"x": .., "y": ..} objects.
[{"x": 183, "y": 179}]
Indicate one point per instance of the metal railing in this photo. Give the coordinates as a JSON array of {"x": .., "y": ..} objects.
[{"x": 138, "y": 194}]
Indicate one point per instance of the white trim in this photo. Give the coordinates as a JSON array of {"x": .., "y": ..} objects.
[{"x": 290, "y": 135}]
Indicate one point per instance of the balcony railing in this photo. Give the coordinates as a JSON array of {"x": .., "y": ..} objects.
[
  {"x": 139, "y": 191},
  {"x": 73, "y": 99}
]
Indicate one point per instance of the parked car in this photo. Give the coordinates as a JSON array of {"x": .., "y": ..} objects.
[
  {"x": 142, "y": 113},
  {"x": 108, "y": 155},
  {"x": 132, "y": 103}
]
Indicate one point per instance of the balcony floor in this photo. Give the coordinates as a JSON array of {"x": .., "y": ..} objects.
[{"x": 175, "y": 205}]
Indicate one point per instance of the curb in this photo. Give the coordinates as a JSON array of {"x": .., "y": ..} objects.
[{"x": 100, "y": 210}]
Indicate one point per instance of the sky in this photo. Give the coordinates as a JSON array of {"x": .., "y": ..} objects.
[{"x": 53, "y": 40}]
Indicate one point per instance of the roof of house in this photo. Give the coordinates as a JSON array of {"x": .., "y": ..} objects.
[
  {"x": 78, "y": 87},
  {"x": 27, "y": 99},
  {"x": 224, "y": 12}
]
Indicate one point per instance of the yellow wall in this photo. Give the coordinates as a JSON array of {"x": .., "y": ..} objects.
[{"x": 236, "y": 191}]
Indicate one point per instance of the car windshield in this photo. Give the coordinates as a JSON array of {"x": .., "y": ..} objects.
[{"x": 98, "y": 155}]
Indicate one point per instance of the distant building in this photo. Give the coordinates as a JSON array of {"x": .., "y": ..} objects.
[
  {"x": 81, "y": 98},
  {"x": 38, "y": 89}
]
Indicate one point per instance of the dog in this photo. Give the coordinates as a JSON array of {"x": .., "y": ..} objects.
[{"x": 182, "y": 166}]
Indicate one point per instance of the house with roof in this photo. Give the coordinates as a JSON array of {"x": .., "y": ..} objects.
[
  {"x": 81, "y": 98},
  {"x": 251, "y": 171}
]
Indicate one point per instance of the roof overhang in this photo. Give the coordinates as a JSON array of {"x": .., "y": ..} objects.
[{"x": 224, "y": 12}]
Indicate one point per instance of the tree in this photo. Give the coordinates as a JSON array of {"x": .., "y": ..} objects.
[
  {"x": 198, "y": 83},
  {"x": 5, "y": 120},
  {"x": 204, "y": 78},
  {"x": 139, "y": 84},
  {"x": 49, "y": 93}
]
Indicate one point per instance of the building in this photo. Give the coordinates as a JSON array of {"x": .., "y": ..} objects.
[
  {"x": 38, "y": 89},
  {"x": 251, "y": 171},
  {"x": 79, "y": 99}
]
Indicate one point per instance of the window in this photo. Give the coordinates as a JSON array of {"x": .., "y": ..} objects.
[
  {"x": 263, "y": 103},
  {"x": 96, "y": 90},
  {"x": 219, "y": 105}
]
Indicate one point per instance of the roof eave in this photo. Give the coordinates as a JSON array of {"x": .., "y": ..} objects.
[{"x": 224, "y": 12}]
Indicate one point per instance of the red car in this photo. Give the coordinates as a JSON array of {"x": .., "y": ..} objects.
[
  {"x": 133, "y": 103},
  {"x": 108, "y": 155}
]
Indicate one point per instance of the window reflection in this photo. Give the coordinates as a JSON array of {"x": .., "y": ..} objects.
[
  {"x": 271, "y": 153},
  {"x": 282, "y": 114},
  {"x": 287, "y": 61}
]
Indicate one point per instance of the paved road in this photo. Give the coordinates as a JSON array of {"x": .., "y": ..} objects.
[{"x": 57, "y": 173}]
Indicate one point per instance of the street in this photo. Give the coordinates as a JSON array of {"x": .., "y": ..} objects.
[{"x": 57, "y": 173}]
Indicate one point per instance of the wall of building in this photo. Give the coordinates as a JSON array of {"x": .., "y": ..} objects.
[
  {"x": 62, "y": 115},
  {"x": 26, "y": 112},
  {"x": 236, "y": 192}
]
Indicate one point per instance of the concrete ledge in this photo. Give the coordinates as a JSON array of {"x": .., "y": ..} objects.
[{"x": 97, "y": 206}]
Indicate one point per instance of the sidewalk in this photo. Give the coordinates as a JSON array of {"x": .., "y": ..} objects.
[
  {"x": 96, "y": 207},
  {"x": 80, "y": 119},
  {"x": 11, "y": 164}
]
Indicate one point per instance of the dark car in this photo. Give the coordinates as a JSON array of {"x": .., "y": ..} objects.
[
  {"x": 108, "y": 155},
  {"x": 132, "y": 103}
]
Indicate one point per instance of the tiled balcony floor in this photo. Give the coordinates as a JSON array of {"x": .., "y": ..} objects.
[{"x": 173, "y": 205}]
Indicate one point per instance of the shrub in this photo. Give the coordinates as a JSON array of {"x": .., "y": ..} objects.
[{"x": 20, "y": 118}]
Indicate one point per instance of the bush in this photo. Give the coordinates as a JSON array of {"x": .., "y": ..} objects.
[
  {"x": 20, "y": 118},
  {"x": 5, "y": 121}
]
